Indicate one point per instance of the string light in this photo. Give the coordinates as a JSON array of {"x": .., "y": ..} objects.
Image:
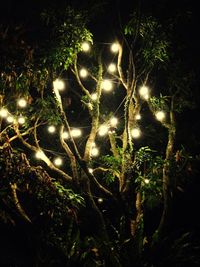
[
  {"x": 3, "y": 112},
  {"x": 58, "y": 161},
  {"x": 40, "y": 154},
  {"x": 90, "y": 170},
  {"x": 112, "y": 68},
  {"x": 21, "y": 120},
  {"x": 146, "y": 181},
  {"x": 160, "y": 115},
  {"x": 144, "y": 92},
  {"x": 138, "y": 117},
  {"x": 94, "y": 152},
  {"x": 94, "y": 96},
  {"x": 65, "y": 135},
  {"x": 22, "y": 103},
  {"x": 100, "y": 200},
  {"x": 103, "y": 130},
  {"x": 10, "y": 119},
  {"x": 106, "y": 85},
  {"x": 136, "y": 133},
  {"x": 58, "y": 85},
  {"x": 115, "y": 47},
  {"x": 85, "y": 47},
  {"x": 113, "y": 121},
  {"x": 83, "y": 73},
  {"x": 51, "y": 129},
  {"x": 76, "y": 132}
]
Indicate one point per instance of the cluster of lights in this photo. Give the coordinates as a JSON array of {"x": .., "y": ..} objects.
[
  {"x": 10, "y": 119},
  {"x": 75, "y": 132}
]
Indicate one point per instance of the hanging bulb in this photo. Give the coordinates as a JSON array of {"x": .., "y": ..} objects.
[
  {"x": 3, "y": 112},
  {"x": 94, "y": 96},
  {"x": 10, "y": 119},
  {"x": 144, "y": 92},
  {"x": 136, "y": 133},
  {"x": 115, "y": 47},
  {"x": 58, "y": 161},
  {"x": 160, "y": 115},
  {"x": 90, "y": 170},
  {"x": 106, "y": 85},
  {"x": 94, "y": 152},
  {"x": 85, "y": 47},
  {"x": 40, "y": 154},
  {"x": 21, "y": 120},
  {"x": 138, "y": 117},
  {"x": 76, "y": 132},
  {"x": 112, "y": 68},
  {"x": 83, "y": 73},
  {"x": 51, "y": 129},
  {"x": 113, "y": 121},
  {"x": 103, "y": 130},
  {"x": 146, "y": 181},
  {"x": 22, "y": 103},
  {"x": 58, "y": 84},
  {"x": 65, "y": 135}
]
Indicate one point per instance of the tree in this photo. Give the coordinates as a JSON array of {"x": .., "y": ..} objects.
[{"x": 130, "y": 174}]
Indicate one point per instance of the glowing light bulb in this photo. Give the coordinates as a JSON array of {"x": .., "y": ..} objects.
[
  {"x": 100, "y": 200},
  {"x": 83, "y": 73},
  {"x": 106, "y": 85},
  {"x": 136, "y": 133},
  {"x": 113, "y": 121},
  {"x": 21, "y": 120},
  {"x": 146, "y": 181},
  {"x": 138, "y": 117},
  {"x": 58, "y": 161},
  {"x": 51, "y": 129},
  {"x": 90, "y": 170},
  {"x": 65, "y": 135},
  {"x": 22, "y": 103},
  {"x": 10, "y": 119},
  {"x": 58, "y": 85},
  {"x": 3, "y": 112},
  {"x": 76, "y": 132},
  {"x": 94, "y": 152},
  {"x": 160, "y": 115},
  {"x": 85, "y": 46},
  {"x": 40, "y": 154},
  {"x": 115, "y": 47},
  {"x": 94, "y": 96},
  {"x": 103, "y": 130},
  {"x": 144, "y": 90},
  {"x": 112, "y": 67}
]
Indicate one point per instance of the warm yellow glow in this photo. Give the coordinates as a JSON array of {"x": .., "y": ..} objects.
[
  {"x": 76, "y": 132},
  {"x": 22, "y": 103},
  {"x": 85, "y": 46},
  {"x": 138, "y": 117},
  {"x": 143, "y": 91},
  {"x": 103, "y": 130},
  {"x": 83, "y": 73},
  {"x": 65, "y": 135},
  {"x": 136, "y": 133},
  {"x": 10, "y": 119},
  {"x": 51, "y": 129},
  {"x": 58, "y": 161},
  {"x": 94, "y": 96},
  {"x": 115, "y": 47},
  {"x": 112, "y": 67},
  {"x": 160, "y": 115},
  {"x": 106, "y": 85},
  {"x": 40, "y": 155},
  {"x": 146, "y": 181},
  {"x": 113, "y": 121},
  {"x": 100, "y": 200},
  {"x": 94, "y": 152},
  {"x": 58, "y": 85},
  {"x": 3, "y": 112},
  {"x": 21, "y": 120},
  {"x": 90, "y": 170}
]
